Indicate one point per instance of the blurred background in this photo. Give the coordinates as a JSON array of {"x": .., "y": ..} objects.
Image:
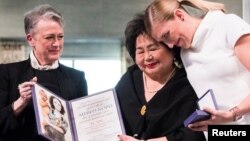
[{"x": 94, "y": 34}]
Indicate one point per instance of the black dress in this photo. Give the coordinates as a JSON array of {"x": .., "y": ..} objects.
[{"x": 165, "y": 112}]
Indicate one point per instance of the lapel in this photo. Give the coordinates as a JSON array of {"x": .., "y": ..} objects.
[
  {"x": 63, "y": 82},
  {"x": 138, "y": 84},
  {"x": 28, "y": 72},
  {"x": 137, "y": 81}
]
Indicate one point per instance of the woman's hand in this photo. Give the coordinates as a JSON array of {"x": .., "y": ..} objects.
[
  {"x": 25, "y": 95},
  {"x": 25, "y": 89},
  {"x": 217, "y": 117}
]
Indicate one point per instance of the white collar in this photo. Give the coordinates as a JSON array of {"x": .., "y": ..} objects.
[{"x": 35, "y": 64}]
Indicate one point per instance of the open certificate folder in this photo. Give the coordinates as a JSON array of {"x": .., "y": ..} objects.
[{"x": 91, "y": 118}]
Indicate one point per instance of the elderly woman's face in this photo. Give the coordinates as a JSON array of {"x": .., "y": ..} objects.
[
  {"x": 47, "y": 41},
  {"x": 152, "y": 57}
]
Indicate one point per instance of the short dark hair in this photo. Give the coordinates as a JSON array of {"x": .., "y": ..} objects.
[
  {"x": 134, "y": 28},
  {"x": 53, "y": 106}
]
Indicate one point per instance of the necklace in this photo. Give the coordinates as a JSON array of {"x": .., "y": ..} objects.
[{"x": 154, "y": 91}]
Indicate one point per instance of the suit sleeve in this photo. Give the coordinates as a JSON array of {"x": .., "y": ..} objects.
[
  {"x": 8, "y": 121},
  {"x": 83, "y": 87}
]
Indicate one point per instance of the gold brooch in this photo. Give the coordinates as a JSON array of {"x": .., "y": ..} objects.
[{"x": 143, "y": 110}]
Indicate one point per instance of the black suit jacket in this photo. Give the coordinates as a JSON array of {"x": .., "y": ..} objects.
[
  {"x": 72, "y": 85},
  {"x": 165, "y": 112}
]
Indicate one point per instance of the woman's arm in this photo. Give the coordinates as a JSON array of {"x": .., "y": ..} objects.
[{"x": 242, "y": 50}]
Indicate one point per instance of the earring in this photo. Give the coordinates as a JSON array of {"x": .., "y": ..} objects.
[{"x": 177, "y": 63}]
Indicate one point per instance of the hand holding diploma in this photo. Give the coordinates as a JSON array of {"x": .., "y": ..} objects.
[{"x": 25, "y": 95}]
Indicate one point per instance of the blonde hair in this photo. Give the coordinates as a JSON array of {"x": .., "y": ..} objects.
[{"x": 161, "y": 10}]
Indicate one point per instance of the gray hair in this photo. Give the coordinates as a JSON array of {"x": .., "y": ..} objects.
[{"x": 45, "y": 11}]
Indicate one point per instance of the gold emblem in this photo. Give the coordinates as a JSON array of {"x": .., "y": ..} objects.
[{"x": 143, "y": 110}]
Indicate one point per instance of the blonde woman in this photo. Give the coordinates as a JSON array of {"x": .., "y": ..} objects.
[{"x": 215, "y": 53}]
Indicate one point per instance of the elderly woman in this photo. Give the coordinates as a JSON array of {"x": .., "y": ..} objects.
[
  {"x": 45, "y": 35},
  {"x": 154, "y": 94}
]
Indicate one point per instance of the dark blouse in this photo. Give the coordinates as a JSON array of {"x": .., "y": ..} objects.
[
  {"x": 165, "y": 112},
  {"x": 48, "y": 79}
]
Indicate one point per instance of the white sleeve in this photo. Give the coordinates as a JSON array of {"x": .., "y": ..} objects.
[{"x": 236, "y": 27}]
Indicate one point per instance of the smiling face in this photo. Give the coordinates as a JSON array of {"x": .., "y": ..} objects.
[
  {"x": 47, "y": 41},
  {"x": 152, "y": 57},
  {"x": 174, "y": 31}
]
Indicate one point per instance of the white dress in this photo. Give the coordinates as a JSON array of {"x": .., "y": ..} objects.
[{"x": 212, "y": 64}]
